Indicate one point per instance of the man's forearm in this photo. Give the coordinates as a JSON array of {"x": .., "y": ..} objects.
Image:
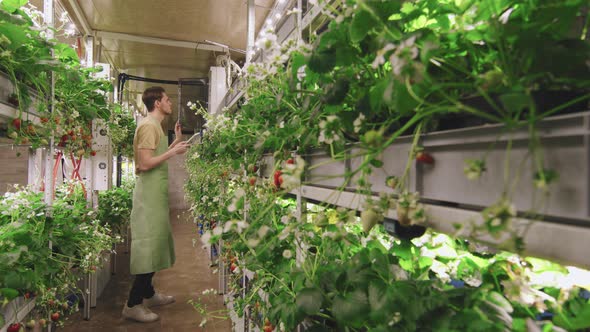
[
  {"x": 153, "y": 162},
  {"x": 176, "y": 141}
]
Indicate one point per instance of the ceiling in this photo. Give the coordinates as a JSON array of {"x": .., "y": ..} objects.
[{"x": 221, "y": 21}]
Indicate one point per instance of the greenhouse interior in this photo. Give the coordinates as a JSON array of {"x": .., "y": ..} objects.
[{"x": 295, "y": 165}]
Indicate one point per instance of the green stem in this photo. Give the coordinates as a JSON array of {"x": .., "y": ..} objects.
[{"x": 415, "y": 141}]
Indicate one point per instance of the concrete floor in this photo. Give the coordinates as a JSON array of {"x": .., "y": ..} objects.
[{"x": 187, "y": 279}]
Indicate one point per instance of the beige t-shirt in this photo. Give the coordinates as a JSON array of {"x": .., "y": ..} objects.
[{"x": 147, "y": 136}]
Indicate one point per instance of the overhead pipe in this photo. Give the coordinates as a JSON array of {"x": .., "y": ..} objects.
[
  {"x": 159, "y": 41},
  {"x": 122, "y": 79}
]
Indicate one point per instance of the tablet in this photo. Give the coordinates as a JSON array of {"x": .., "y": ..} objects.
[{"x": 194, "y": 138}]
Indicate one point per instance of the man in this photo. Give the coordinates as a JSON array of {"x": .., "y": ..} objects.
[{"x": 152, "y": 246}]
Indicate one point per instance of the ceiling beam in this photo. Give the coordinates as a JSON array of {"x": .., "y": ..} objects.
[
  {"x": 80, "y": 17},
  {"x": 159, "y": 41}
]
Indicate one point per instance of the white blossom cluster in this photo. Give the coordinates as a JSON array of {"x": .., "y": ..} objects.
[
  {"x": 19, "y": 204},
  {"x": 292, "y": 174},
  {"x": 329, "y": 130}
]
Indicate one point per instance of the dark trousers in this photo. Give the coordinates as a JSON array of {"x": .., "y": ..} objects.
[{"x": 142, "y": 289}]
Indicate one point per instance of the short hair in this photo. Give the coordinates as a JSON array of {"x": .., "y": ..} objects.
[{"x": 150, "y": 95}]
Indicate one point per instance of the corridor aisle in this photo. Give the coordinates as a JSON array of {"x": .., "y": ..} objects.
[{"x": 187, "y": 279}]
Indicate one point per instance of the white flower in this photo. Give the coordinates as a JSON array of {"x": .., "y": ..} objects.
[
  {"x": 284, "y": 233},
  {"x": 358, "y": 122},
  {"x": 380, "y": 59},
  {"x": 474, "y": 280},
  {"x": 206, "y": 237},
  {"x": 518, "y": 290},
  {"x": 398, "y": 272},
  {"x": 240, "y": 193},
  {"x": 263, "y": 230},
  {"x": 425, "y": 252},
  {"x": 267, "y": 42},
  {"x": 232, "y": 207},
  {"x": 396, "y": 318},
  {"x": 405, "y": 51},
  {"x": 253, "y": 242},
  {"x": 504, "y": 17},
  {"x": 513, "y": 259},
  {"x": 439, "y": 239},
  {"x": 241, "y": 225},
  {"x": 285, "y": 220},
  {"x": 397, "y": 63},
  {"x": 440, "y": 270},
  {"x": 287, "y": 254}
]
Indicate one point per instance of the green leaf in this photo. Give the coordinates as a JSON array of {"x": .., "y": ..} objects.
[
  {"x": 541, "y": 265},
  {"x": 14, "y": 280},
  {"x": 345, "y": 56},
  {"x": 235, "y": 164},
  {"x": 322, "y": 62},
  {"x": 376, "y": 163},
  {"x": 514, "y": 102},
  {"x": 362, "y": 23},
  {"x": 548, "y": 327},
  {"x": 377, "y": 94},
  {"x": 336, "y": 92},
  {"x": 351, "y": 310},
  {"x": 445, "y": 251},
  {"x": 444, "y": 22},
  {"x": 298, "y": 61},
  {"x": 66, "y": 53},
  {"x": 9, "y": 293},
  {"x": 576, "y": 319},
  {"x": 519, "y": 324},
  {"x": 403, "y": 101},
  {"x": 309, "y": 300},
  {"x": 406, "y": 264},
  {"x": 15, "y": 33},
  {"x": 474, "y": 36},
  {"x": 12, "y": 5},
  {"x": 403, "y": 250},
  {"x": 424, "y": 262},
  {"x": 377, "y": 296}
]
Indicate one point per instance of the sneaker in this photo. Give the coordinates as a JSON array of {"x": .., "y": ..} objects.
[
  {"x": 158, "y": 299},
  {"x": 139, "y": 313}
]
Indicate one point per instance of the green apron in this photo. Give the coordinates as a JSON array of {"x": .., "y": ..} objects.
[{"x": 152, "y": 245}]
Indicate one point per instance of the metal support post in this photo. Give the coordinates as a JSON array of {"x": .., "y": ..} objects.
[
  {"x": 87, "y": 296},
  {"x": 49, "y": 178},
  {"x": 251, "y": 23}
]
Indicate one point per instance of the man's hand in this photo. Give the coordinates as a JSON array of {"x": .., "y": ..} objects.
[
  {"x": 178, "y": 131},
  {"x": 180, "y": 148}
]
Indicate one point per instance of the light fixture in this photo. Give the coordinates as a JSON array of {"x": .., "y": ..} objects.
[
  {"x": 216, "y": 43},
  {"x": 225, "y": 46}
]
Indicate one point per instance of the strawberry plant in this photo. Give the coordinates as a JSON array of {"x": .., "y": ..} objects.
[
  {"x": 25, "y": 56},
  {"x": 29, "y": 267},
  {"x": 380, "y": 70},
  {"x": 114, "y": 207}
]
